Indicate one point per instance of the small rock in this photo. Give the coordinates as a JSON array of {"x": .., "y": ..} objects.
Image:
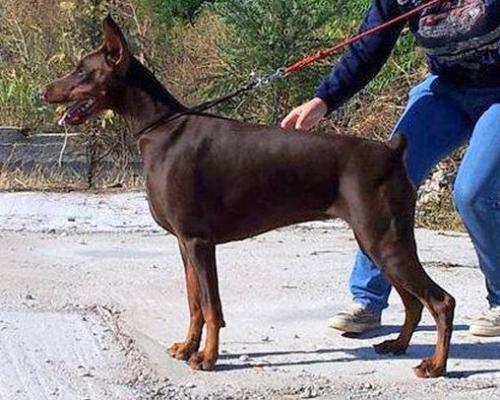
[
  {"x": 71, "y": 219},
  {"x": 29, "y": 297},
  {"x": 309, "y": 393}
]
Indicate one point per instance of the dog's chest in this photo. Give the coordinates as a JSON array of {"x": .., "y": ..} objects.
[{"x": 158, "y": 209}]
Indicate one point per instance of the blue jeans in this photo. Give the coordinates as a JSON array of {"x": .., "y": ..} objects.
[{"x": 438, "y": 119}]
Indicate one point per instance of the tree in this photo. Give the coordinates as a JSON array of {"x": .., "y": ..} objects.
[{"x": 263, "y": 35}]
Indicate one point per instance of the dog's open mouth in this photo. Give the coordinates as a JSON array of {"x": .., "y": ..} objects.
[{"x": 78, "y": 112}]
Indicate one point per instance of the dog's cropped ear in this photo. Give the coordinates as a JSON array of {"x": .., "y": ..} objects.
[{"x": 115, "y": 46}]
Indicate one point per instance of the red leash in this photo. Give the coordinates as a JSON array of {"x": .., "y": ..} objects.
[{"x": 322, "y": 54}]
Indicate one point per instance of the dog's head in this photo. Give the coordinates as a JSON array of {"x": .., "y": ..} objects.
[{"x": 89, "y": 87}]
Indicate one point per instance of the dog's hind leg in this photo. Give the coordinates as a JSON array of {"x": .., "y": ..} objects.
[
  {"x": 409, "y": 273},
  {"x": 397, "y": 257},
  {"x": 442, "y": 307},
  {"x": 201, "y": 255},
  {"x": 382, "y": 218},
  {"x": 384, "y": 231},
  {"x": 413, "y": 313},
  {"x": 184, "y": 350}
]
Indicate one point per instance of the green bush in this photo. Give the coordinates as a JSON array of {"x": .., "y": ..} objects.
[
  {"x": 403, "y": 63},
  {"x": 263, "y": 35},
  {"x": 266, "y": 34},
  {"x": 39, "y": 42},
  {"x": 171, "y": 11}
]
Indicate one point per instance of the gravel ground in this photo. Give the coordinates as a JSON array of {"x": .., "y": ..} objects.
[{"x": 92, "y": 294}]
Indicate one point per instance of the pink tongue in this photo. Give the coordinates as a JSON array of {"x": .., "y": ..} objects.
[{"x": 69, "y": 113}]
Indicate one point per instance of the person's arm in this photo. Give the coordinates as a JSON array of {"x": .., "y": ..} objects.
[
  {"x": 355, "y": 70},
  {"x": 364, "y": 59}
]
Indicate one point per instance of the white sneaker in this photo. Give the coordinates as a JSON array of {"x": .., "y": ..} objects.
[
  {"x": 356, "y": 319},
  {"x": 488, "y": 324}
]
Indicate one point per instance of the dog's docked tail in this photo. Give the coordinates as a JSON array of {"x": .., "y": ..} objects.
[{"x": 398, "y": 143}]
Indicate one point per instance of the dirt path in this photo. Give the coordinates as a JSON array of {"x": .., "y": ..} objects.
[{"x": 92, "y": 293}]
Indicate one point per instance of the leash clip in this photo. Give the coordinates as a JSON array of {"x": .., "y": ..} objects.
[{"x": 267, "y": 80}]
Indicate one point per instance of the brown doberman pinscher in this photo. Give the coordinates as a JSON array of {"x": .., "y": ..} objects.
[{"x": 212, "y": 180}]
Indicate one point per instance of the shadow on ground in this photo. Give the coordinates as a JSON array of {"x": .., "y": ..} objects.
[
  {"x": 394, "y": 329},
  {"x": 478, "y": 351}
]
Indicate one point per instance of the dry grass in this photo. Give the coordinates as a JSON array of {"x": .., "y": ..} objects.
[
  {"x": 193, "y": 58},
  {"x": 41, "y": 39},
  {"x": 440, "y": 215},
  {"x": 40, "y": 180}
]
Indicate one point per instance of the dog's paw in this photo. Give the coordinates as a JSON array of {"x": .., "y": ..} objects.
[
  {"x": 391, "y": 346},
  {"x": 182, "y": 351},
  {"x": 429, "y": 369},
  {"x": 201, "y": 361}
]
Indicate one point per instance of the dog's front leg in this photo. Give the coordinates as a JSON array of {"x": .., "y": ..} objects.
[
  {"x": 184, "y": 350},
  {"x": 201, "y": 255}
]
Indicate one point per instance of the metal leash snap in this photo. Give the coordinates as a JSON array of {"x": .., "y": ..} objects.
[
  {"x": 266, "y": 80},
  {"x": 278, "y": 74}
]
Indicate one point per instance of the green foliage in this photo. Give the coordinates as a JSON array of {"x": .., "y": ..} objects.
[
  {"x": 263, "y": 35},
  {"x": 266, "y": 34},
  {"x": 346, "y": 22},
  {"x": 39, "y": 41},
  {"x": 170, "y": 12}
]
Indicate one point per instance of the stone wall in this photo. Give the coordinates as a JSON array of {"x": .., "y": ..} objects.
[{"x": 43, "y": 160}]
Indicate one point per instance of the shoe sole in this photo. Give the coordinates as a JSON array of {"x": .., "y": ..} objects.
[
  {"x": 485, "y": 331},
  {"x": 352, "y": 327}
]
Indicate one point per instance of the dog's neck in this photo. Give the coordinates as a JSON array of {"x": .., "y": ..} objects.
[{"x": 142, "y": 100}]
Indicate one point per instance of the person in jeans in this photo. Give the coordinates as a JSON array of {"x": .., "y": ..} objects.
[{"x": 458, "y": 103}]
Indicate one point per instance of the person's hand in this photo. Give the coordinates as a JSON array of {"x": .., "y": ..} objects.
[{"x": 306, "y": 116}]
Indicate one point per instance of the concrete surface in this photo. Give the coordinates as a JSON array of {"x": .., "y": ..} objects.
[{"x": 92, "y": 294}]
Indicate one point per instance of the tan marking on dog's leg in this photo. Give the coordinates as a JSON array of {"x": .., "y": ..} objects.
[
  {"x": 184, "y": 350},
  {"x": 201, "y": 255}
]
